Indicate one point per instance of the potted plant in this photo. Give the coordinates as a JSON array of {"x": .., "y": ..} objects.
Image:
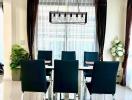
[
  {"x": 17, "y": 54},
  {"x": 117, "y": 50}
]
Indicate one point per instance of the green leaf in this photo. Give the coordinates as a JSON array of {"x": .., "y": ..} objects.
[
  {"x": 17, "y": 55},
  {"x": 117, "y": 48}
]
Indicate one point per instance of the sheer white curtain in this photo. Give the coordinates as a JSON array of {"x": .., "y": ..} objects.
[
  {"x": 70, "y": 37},
  {"x": 129, "y": 65}
]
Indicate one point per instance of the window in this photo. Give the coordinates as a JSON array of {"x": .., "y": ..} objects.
[{"x": 70, "y": 37}]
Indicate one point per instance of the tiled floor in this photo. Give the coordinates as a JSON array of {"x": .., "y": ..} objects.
[{"x": 11, "y": 90}]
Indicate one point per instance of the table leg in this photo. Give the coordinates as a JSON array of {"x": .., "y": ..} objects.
[
  {"x": 80, "y": 73},
  {"x": 66, "y": 96}
]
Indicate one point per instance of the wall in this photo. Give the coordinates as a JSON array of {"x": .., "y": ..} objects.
[
  {"x": 14, "y": 29},
  {"x": 19, "y": 8},
  {"x": 7, "y": 37},
  {"x": 15, "y": 26},
  {"x": 115, "y": 27},
  {"x": 1, "y": 36}
]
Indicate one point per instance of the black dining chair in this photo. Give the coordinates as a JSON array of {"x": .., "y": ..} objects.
[
  {"x": 33, "y": 76},
  {"x": 1, "y": 69},
  {"x": 89, "y": 59},
  {"x": 103, "y": 78},
  {"x": 47, "y": 57},
  {"x": 68, "y": 55},
  {"x": 65, "y": 76}
]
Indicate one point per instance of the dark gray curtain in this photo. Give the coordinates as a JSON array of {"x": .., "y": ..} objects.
[
  {"x": 101, "y": 13},
  {"x": 32, "y": 8},
  {"x": 127, "y": 39}
]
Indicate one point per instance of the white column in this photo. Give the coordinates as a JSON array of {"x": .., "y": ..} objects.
[
  {"x": 7, "y": 38},
  {"x": 1, "y": 36},
  {"x": 15, "y": 14}
]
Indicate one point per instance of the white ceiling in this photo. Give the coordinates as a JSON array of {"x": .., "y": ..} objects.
[
  {"x": 70, "y": 2},
  {"x": 1, "y": 2}
]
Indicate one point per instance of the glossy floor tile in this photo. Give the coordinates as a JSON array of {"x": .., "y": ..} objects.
[{"x": 11, "y": 90}]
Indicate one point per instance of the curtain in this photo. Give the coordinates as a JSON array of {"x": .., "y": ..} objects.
[
  {"x": 101, "y": 12},
  {"x": 127, "y": 39},
  {"x": 32, "y": 8},
  {"x": 70, "y": 37}
]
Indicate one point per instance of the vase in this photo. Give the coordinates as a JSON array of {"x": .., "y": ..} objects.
[{"x": 117, "y": 58}]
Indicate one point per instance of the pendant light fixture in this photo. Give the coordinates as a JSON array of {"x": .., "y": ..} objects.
[{"x": 61, "y": 17}]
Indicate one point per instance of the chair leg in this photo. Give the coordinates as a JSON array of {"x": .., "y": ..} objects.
[
  {"x": 54, "y": 96},
  {"x": 60, "y": 95},
  {"x": 84, "y": 81},
  {"x": 104, "y": 96},
  {"x": 90, "y": 97},
  {"x": 76, "y": 97},
  {"x": 50, "y": 91},
  {"x": 113, "y": 96},
  {"x": 66, "y": 97},
  {"x": 44, "y": 98},
  {"x": 22, "y": 96},
  {"x": 85, "y": 91}
]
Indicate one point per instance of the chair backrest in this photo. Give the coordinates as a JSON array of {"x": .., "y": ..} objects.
[
  {"x": 1, "y": 66},
  {"x": 90, "y": 56},
  {"x": 33, "y": 77},
  {"x": 65, "y": 76},
  {"x": 104, "y": 77},
  {"x": 68, "y": 55},
  {"x": 45, "y": 55}
]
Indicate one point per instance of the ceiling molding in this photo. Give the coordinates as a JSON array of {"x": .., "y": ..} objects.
[{"x": 64, "y": 2}]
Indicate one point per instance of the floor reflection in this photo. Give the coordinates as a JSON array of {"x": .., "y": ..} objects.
[
  {"x": 11, "y": 90},
  {"x": 1, "y": 78}
]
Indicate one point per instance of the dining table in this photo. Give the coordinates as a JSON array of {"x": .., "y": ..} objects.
[
  {"x": 81, "y": 84},
  {"x": 79, "y": 68}
]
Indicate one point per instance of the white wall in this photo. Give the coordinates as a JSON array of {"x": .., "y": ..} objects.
[
  {"x": 19, "y": 20},
  {"x": 7, "y": 38},
  {"x": 1, "y": 36},
  {"x": 14, "y": 29},
  {"x": 115, "y": 26}
]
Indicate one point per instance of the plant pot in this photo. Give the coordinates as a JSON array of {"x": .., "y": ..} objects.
[
  {"x": 117, "y": 58},
  {"x": 16, "y": 74}
]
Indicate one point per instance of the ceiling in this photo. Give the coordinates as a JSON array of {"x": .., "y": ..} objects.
[
  {"x": 67, "y": 2},
  {"x": 1, "y": 3}
]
